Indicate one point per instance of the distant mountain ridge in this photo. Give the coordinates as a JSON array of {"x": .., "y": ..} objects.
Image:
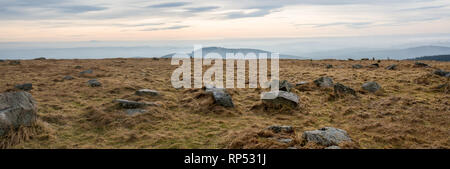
[
  {"x": 445, "y": 58},
  {"x": 223, "y": 51},
  {"x": 398, "y": 54}
]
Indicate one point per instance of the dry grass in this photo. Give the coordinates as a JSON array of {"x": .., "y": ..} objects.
[{"x": 409, "y": 113}]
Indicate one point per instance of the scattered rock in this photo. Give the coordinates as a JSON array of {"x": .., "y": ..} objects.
[
  {"x": 392, "y": 67},
  {"x": 441, "y": 73},
  {"x": 279, "y": 99},
  {"x": 371, "y": 86},
  {"x": 420, "y": 64},
  {"x": 68, "y": 78},
  {"x": 221, "y": 97},
  {"x": 350, "y": 59},
  {"x": 285, "y": 86},
  {"x": 94, "y": 83},
  {"x": 147, "y": 92},
  {"x": 16, "y": 109},
  {"x": 25, "y": 86},
  {"x": 333, "y": 147},
  {"x": 90, "y": 71},
  {"x": 278, "y": 129},
  {"x": 341, "y": 90},
  {"x": 364, "y": 58},
  {"x": 329, "y": 66},
  {"x": 14, "y": 62},
  {"x": 135, "y": 111},
  {"x": 285, "y": 140},
  {"x": 324, "y": 82},
  {"x": 327, "y": 136},
  {"x": 131, "y": 104},
  {"x": 375, "y": 65},
  {"x": 357, "y": 66}
]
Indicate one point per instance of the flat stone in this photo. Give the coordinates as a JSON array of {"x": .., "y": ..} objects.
[
  {"x": 280, "y": 98},
  {"x": 285, "y": 140},
  {"x": 132, "y": 112},
  {"x": 357, "y": 66},
  {"x": 147, "y": 92},
  {"x": 130, "y": 104},
  {"x": 392, "y": 67}
]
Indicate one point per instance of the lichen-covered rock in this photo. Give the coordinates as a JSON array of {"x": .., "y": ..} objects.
[
  {"x": 220, "y": 96},
  {"x": 280, "y": 99},
  {"x": 371, "y": 86},
  {"x": 25, "y": 86},
  {"x": 16, "y": 109},
  {"x": 147, "y": 92},
  {"x": 324, "y": 82},
  {"x": 327, "y": 136}
]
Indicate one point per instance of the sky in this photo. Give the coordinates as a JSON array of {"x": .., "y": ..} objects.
[{"x": 139, "y": 20}]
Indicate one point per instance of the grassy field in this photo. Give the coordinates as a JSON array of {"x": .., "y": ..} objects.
[{"x": 409, "y": 113}]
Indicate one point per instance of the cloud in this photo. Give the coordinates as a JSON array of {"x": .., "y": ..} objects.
[
  {"x": 167, "y": 28},
  {"x": 202, "y": 9},
  {"x": 168, "y": 5},
  {"x": 80, "y": 8}
]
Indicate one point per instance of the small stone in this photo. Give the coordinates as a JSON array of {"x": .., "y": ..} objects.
[
  {"x": 277, "y": 129},
  {"x": 340, "y": 90},
  {"x": 292, "y": 148},
  {"x": 90, "y": 71},
  {"x": 371, "y": 86},
  {"x": 329, "y": 66},
  {"x": 147, "y": 92},
  {"x": 440, "y": 72},
  {"x": 40, "y": 58},
  {"x": 132, "y": 112},
  {"x": 68, "y": 78},
  {"x": 285, "y": 140},
  {"x": 25, "y": 86},
  {"x": 94, "y": 83},
  {"x": 324, "y": 82},
  {"x": 220, "y": 96},
  {"x": 420, "y": 64},
  {"x": 375, "y": 65},
  {"x": 130, "y": 104},
  {"x": 392, "y": 67},
  {"x": 357, "y": 66}
]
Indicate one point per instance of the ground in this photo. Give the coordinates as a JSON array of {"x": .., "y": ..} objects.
[{"x": 409, "y": 113}]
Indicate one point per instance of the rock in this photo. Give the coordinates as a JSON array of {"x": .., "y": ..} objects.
[
  {"x": 131, "y": 104},
  {"x": 327, "y": 136},
  {"x": 371, "y": 86},
  {"x": 357, "y": 66},
  {"x": 420, "y": 64},
  {"x": 285, "y": 86},
  {"x": 364, "y": 58},
  {"x": 375, "y": 65},
  {"x": 329, "y": 66},
  {"x": 292, "y": 148},
  {"x": 350, "y": 59},
  {"x": 25, "y": 86},
  {"x": 135, "y": 111},
  {"x": 302, "y": 83},
  {"x": 147, "y": 92},
  {"x": 285, "y": 140},
  {"x": 78, "y": 67},
  {"x": 440, "y": 72},
  {"x": 280, "y": 99},
  {"x": 94, "y": 83},
  {"x": 16, "y": 109},
  {"x": 1, "y": 60},
  {"x": 14, "y": 62},
  {"x": 68, "y": 78},
  {"x": 324, "y": 82},
  {"x": 277, "y": 129},
  {"x": 40, "y": 58},
  {"x": 340, "y": 90},
  {"x": 89, "y": 71},
  {"x": 220, "y": 96},
  {"x": 333, "y": 147},
  {"x": 392, "y": 67}
]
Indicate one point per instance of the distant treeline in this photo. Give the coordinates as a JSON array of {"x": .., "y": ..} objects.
[{"x": 436, "y": 58}]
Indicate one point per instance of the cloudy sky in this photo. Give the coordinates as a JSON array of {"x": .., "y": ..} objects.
[{"x": 134, "y": 20}]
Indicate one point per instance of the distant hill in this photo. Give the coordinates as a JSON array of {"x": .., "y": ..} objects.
[
  {"x": 445, "y": 58},
  {"x": 398, "y": 54},
  {"x": 223, "y": 51}
]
